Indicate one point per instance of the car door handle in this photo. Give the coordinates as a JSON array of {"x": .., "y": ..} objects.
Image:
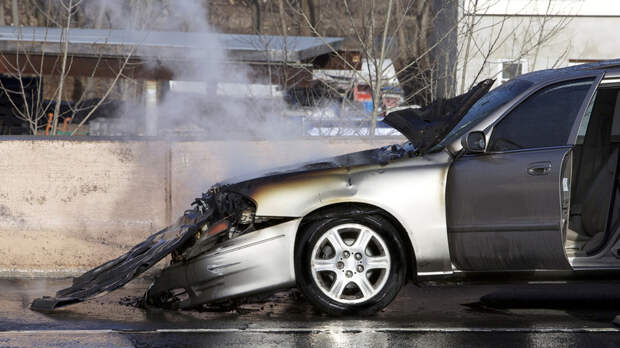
[{"x": 539, "y": 168}]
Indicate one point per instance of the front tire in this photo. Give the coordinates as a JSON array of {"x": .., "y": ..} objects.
[{"x": 350, "y": 265}]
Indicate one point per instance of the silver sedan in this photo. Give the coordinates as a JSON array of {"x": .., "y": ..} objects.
[{"x": 520, "y": 180}]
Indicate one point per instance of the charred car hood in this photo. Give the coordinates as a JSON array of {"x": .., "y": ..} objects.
[
  {"x": 426, "y": 127},
  {"x": 378, "y": 156}
]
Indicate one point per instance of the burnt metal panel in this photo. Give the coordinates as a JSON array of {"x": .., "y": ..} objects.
[
  {"x": 427, "y": 126},
  {"x": 120, "y": 271}
]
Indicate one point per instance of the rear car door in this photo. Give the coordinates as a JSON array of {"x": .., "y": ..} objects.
[{"x": 507, "y": 207}]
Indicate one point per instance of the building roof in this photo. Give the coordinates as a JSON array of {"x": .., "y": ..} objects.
[{"x": 165, "y": 44}]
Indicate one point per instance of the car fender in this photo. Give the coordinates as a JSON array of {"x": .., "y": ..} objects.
[{"x": 412, "y": 190}]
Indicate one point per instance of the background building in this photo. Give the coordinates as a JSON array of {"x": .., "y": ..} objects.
[{"x": 505, "y": 38}]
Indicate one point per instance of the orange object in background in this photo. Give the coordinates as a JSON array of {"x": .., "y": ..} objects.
[
  {"x": 362, "y": 93},
  {"x": 64, "y": 125},
  {"x": 50, "y": 117}
]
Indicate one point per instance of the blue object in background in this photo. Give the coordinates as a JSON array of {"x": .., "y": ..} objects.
[{"x": 367, "y": 106}]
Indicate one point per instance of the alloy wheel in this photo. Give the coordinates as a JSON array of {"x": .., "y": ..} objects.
[{"x": 350, "y": 263}]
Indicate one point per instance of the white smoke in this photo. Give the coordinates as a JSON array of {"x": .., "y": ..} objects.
[{"x": 228, "y": 106}]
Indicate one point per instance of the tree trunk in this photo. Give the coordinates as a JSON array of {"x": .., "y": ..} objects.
[
  {"x": 376, "y": 96},
  {"x": 541, "y": 34},
  {"x": 15, "y": 9},
  {"x": 2, "y": 23},
  {"x": 63, "y": 69},
  {"x": 307, "y": 6}
]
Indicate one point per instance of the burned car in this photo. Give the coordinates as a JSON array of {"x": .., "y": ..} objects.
[{"x": 521, "y": 179}]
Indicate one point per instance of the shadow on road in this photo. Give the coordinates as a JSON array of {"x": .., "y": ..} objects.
[{"x": 582, "y": 300}]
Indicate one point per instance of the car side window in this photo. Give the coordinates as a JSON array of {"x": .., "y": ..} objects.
[{"x": 544, "y": 119}]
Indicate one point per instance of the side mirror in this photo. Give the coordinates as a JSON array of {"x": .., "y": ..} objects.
[{"x": 475, "y": 142}]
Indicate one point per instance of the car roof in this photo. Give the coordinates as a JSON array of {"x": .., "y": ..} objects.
[{"x": 571, "y": 71}]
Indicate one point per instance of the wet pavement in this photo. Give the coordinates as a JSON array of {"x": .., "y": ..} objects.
[{"x": 474, "y": 315}]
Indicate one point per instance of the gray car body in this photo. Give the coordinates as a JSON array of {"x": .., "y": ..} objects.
[
  {"x": 457, "y": 212},
  {"x": 413, "y": 190}
]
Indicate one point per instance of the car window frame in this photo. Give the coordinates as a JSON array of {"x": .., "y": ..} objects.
[
  {"x": 572, "y": 138},
  {"x": 611, "y": 79}
]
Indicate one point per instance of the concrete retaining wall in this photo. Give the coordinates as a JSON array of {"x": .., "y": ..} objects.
[{"x": 69, "y": 205}]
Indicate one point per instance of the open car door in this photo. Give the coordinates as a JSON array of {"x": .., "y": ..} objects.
[{"x": 507, "y": 208}]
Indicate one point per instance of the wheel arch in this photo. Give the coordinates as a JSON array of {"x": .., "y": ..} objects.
[{"x": 355, "y": 208}]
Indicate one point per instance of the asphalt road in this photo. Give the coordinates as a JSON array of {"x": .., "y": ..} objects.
[{"x": 473, "y": 315}]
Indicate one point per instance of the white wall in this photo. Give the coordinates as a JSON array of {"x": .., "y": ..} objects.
[
  {"x": 590, "y": 32},
  {"x": 67, "y": 206}
]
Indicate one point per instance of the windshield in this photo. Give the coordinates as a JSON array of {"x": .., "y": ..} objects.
[{"x": 484, "y": 107}]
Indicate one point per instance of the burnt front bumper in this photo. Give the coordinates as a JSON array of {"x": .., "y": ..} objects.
[
  {"x": 255, "y": 262},
  {"x": 118, "y": 272}
]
